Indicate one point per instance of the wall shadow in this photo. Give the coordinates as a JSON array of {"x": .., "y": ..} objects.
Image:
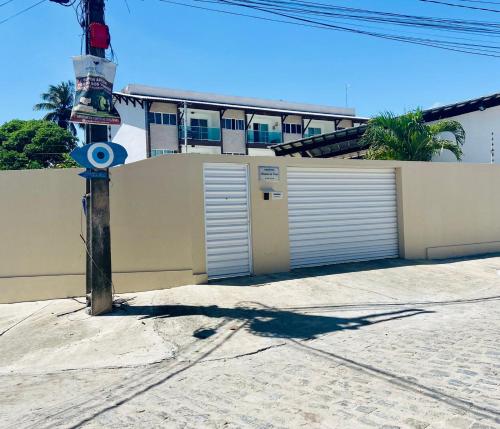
[
  {"x": 269, "y": 322},
  {"x": 351, "y": 267}
]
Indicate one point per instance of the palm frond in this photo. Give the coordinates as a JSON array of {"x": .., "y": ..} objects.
[
  {"x": 439, "y": 145},
  {"x": 44, "y": 106},
  {"x": 449, "y": 126},
  {"x": 51, "y": 116},
  {"x": 409, "y": 138}
]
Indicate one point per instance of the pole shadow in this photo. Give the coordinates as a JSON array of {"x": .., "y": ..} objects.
[{"x": 270, "y": 322}]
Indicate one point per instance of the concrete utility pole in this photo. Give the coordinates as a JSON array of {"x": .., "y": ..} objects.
[{"x": 98, "y": 280}]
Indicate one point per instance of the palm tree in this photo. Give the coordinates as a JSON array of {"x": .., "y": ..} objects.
[
  {"x": 409, "y": 138},
  {"x": 58, "y": 101}
]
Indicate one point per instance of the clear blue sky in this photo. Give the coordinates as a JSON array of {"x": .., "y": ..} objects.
[{"x": 172, "y": 46}]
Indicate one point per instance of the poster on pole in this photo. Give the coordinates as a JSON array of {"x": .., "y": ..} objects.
[{"x": 94, "y": 91}]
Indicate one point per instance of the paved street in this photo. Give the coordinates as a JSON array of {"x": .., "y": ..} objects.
[{"x": 372, "y": 345}]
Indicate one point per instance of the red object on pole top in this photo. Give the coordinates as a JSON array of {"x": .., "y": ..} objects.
[{"x": 99, "y": 35}]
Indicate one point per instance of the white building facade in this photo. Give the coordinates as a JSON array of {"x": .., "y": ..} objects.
[
  {"x": 480, "y": 119},
  {"x": 159, "y": 121}
]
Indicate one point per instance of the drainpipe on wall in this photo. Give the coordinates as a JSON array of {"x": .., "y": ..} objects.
[{"x": 185, "y": 128}]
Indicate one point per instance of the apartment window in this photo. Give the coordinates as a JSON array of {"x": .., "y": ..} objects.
[
  {"x": 233, "y": 124},
  {"x": 292, "y": 128},
  {"x": 169, "y": 119},
  {"x": 198, "y": 129},
  {"x": 162, "y": 118}
]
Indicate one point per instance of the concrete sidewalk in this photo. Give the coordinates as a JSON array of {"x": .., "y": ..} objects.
[{"x": 376, "y": 344}]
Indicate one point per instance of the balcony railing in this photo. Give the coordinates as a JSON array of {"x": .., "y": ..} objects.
[
  {"x": 159, "y": 152},
  {"x": 312, "y": 133},
  {"x": 264, "y": 137},
  {"x": 200, "y": 133}
]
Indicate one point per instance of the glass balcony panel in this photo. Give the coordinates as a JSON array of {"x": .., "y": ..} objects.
[
  {"x": 264, "y": 137},
  {"x": 200, "y": 133},
  {"x": 310, "y": 132}
]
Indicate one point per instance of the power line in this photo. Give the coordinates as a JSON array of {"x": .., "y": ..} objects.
[
  {"x": 6, "y": 2},
  {"x": 322, "y": 9},
  {"x": 479, "y": 1},
  {"x": 289, "y": 13},
  {"x": 22, "y": 11},
  {"x": 484, "y": 9}
]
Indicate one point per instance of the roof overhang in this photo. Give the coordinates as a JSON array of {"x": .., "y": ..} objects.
[
  {"x": 248, "y": 108},
  {"x": 324, "y": 145},
  {"x": 461, "y": 108}
]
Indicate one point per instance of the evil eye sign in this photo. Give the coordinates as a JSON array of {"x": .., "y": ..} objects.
[{"x": 99, "y": 155}]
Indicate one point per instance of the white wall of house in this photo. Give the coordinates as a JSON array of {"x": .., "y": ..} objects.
[
  {"x": 478, "y": 127},
  {"x": 274, "y": 122},
  {"x": 131, "y": 134}
]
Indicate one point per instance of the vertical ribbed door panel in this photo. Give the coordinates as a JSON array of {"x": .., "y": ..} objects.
[{"x": 227, "y": 220}]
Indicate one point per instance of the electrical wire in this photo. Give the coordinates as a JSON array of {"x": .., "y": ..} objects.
[
  {"x": 295, "y": 12},
  {"x": 21, "y": 12},
  {"x": 479, "y": 1},
  {"x": 6, "y": 2},
  {"x": 463, "y": 6}
]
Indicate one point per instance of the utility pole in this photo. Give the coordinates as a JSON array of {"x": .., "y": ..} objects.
[{"x": 99, "y": 285}]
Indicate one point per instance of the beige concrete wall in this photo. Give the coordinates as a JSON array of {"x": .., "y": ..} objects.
[
  {"x": 450, "y": 209},
  {"x": 42, "y": 255},
  {"x": 157, "y": 225}
]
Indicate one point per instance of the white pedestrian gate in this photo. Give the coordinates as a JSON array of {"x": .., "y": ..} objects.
[
  {"x": 227, "y": 220},
  {"x": 341, "y": 215}
]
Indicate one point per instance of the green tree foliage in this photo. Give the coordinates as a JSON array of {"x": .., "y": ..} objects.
[
  {"x": 67, "y": 162},
  {"x": 34, "y": 144},
  {"x": 409, "y": 138},
  {"x": 58, "y": 102}
]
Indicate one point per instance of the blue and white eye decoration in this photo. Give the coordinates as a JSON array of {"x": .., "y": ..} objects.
[{"x": 99, "y": 156}]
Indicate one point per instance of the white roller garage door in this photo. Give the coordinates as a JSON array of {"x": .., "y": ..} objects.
[
  {"x": 227, "y": 225},
  {"x": 341, "y": 215}
]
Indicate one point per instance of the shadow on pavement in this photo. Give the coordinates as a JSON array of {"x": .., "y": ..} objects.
[
  {"x": 352, "y": 267},
  {"x": 269, "y": 322}
]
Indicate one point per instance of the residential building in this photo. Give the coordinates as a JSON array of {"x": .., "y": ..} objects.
[
  {"x": 480, "y": 118},
  {"x": 158, "y": 121}
]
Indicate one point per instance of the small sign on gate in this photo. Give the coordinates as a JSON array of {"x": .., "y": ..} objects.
[{"x": 269, "y": 174}]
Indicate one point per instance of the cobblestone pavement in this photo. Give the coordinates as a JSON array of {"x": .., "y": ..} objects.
[{"x": 374, "y": 345}]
